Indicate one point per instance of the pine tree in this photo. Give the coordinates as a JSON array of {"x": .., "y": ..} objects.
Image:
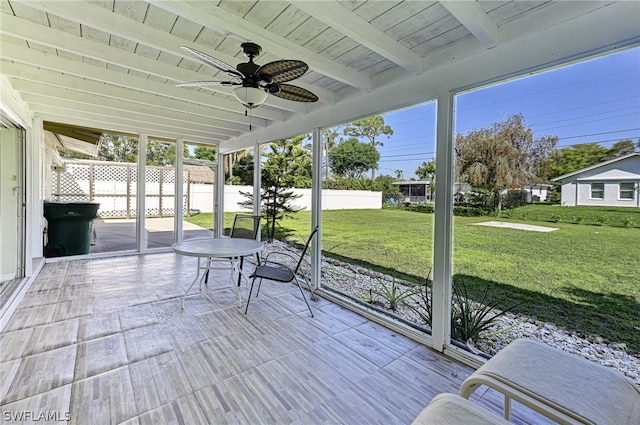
[{"x": 287, "y": 165}]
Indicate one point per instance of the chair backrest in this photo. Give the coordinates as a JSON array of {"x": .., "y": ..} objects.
[
  {"x": 245, "y": 226},
  {"x": 306, "y": 248}
]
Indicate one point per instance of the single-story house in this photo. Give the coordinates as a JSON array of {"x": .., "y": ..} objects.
[
  {"x": 537, "y": 192},
  {"x": 613, "y": 183},
  {"x": 416, "y": 191}
]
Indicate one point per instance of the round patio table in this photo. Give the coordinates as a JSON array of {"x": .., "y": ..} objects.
[{"x": 234, "y": 249}]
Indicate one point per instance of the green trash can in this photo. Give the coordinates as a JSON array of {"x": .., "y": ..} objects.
[{"x": 69, "y": 227}]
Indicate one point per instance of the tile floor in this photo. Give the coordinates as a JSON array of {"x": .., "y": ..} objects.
[{"x": 104, "y": 341}]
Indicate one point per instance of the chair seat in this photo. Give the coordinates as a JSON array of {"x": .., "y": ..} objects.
[{"x": 273, "y": 273}]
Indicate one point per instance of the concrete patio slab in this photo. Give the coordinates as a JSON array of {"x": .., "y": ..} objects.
[{"x": 517, "y": 226}]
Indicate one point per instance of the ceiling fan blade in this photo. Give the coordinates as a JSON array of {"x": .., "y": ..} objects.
[
  {"x": 283, "y": 70},
  {"x": 216, "y": 63},
  {"x": 208, "y": 83},
  {"x": 295, "y": 93}
]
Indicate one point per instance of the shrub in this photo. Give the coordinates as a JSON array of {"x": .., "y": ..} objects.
[
  {"x": 557, "y": 218},
  {"x": 468, "y": 211},
  {"x": 628, "y": 222},
  {"x": 423, "y": 208},
  {"x": 468, "y": 318},
  {"x": 422, "y": 306},
  {"x": 392, "y": 294},
  {"x": 579, "y": 219},
  {"x": 602, "y": 219}
]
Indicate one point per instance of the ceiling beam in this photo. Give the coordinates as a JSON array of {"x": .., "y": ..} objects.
[
  {"x": 46, "y": 36},
  {"x": 88, "y": 103},
  {"x": 111, "y": 126},
  {"x": 112, "y": 23},
  {"x": 474, "y": 19},
  {"x": 543, "y": 49},
  {"x": 227, "y": 23},
  {"x": 26, "y": 75},
  {"x": 348, "y": 23},
  {"x": 96, "y": 115},
  {"x": 40, "y": 59}
]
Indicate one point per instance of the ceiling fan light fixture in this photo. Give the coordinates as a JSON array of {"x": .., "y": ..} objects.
[{"x": 250, "y": 97}]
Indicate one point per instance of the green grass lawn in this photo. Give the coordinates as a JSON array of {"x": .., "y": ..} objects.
[
  {"x": 554, "y": 213},
  {"x": 583, "y": 277}
]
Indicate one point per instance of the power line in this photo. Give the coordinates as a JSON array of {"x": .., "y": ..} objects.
[
  {"x": 549, "y": 89},
  {"x": 599, "y": 134},
  {"x": 582, "y": 123}
]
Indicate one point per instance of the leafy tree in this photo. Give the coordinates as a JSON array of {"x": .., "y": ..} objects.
[
  {"x": 622, "y": 148},
  {"x": 351, "y": 158},
  {"x": 385, "y": 185},
  {"x": 329, "y": 141},
  {"x": 71, "y": 154},
  {"x": 230, "y": 159},
  {"x": 116, "y": 148},
  {"x": 243, "y": 171},
  {"x": 370, "y": 128},
  {"x": 505, "y": 156},
  {"x": 427, "y": 170},
  {"x": 399, "y": 174},
  {"x": 382, "y": 184},
  {"x": 162, "y": 154},
  {"x": 574, "y": 158},
  {"x": 205, "y": 152}
]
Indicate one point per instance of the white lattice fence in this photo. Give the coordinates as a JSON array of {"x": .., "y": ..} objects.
[{"x": 114, "y": 186}]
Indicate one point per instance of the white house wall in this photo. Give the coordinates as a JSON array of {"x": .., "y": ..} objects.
[
  {"x": 568, "y": 193},
  {"x": 576, "y": 190}
]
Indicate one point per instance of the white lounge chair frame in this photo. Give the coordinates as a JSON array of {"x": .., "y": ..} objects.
[{"x": 563, "y": 387}]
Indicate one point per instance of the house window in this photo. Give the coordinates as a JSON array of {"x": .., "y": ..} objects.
[
  {"x": 597, "y": 190},
  {"x": 626, "y": 190}
]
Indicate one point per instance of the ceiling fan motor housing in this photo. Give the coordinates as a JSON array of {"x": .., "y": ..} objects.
[
  {"x": 251, "y": 50},
  {"x": 268, "y": 78}
]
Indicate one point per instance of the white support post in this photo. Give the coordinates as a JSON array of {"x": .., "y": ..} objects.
[
  {"x": 140, "y": 193},
  {"x": 316, "y": 209},
  {"x": 218, "y": 225},
  {"x": 443, "y": 224},
  {"x": 257, "y": 180},
  {"x": 179, "y": 191}
]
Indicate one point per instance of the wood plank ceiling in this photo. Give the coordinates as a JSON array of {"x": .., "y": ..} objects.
[{"x": 113, "y": 65}]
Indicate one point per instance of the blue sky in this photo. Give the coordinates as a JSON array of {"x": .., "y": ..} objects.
[{"x": 592, "y": 101}]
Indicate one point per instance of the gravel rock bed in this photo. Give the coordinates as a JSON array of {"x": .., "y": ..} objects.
[{"x": 363, "y": 283}]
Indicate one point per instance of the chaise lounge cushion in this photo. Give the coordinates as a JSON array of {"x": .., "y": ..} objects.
[{"x": 451, "y": 409}]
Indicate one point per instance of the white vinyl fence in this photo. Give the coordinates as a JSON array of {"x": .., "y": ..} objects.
[
  {"x": 202, "y": 198},
  {"x": 114, "y": 186}
]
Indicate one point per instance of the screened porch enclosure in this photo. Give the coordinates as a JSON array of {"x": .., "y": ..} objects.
[{"x": 110, "y": 344}]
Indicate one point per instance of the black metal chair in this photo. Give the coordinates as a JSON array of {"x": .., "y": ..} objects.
[
  {"x": 245, "y": 226},
  {"x": 279, "y": 272}
]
